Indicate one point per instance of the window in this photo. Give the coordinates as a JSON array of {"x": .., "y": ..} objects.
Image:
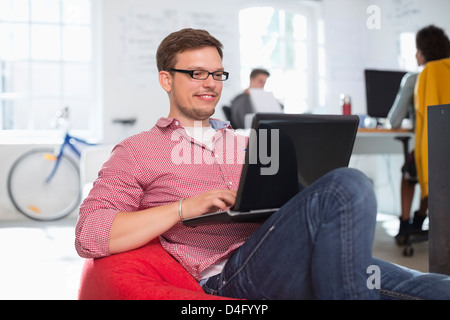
[
  {"x": 279, "y": 41},
  {"x": 322, "y": 89},
  {"x": 407, "y": 59},
  {"x": 46, "y": 62}
]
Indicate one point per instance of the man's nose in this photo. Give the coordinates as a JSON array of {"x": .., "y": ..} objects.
[{"x": 209, "y": 82}]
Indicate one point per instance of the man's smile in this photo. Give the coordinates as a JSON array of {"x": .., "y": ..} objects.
[{"x": 206, "y": 96}]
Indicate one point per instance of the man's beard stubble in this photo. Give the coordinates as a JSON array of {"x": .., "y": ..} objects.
[{"x": 196, "y": 113}]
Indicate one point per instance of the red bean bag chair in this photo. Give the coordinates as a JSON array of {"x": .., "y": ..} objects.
[{"x": 148, "y": 273}]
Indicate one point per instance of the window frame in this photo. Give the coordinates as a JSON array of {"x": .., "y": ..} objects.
[{"x": 54, "y": 133}]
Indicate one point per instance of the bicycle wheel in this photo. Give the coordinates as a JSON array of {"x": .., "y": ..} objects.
[{"x": 38, "y": 199}]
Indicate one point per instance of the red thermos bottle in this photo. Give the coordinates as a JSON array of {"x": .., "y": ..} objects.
[{"x": 346, "y": 104}]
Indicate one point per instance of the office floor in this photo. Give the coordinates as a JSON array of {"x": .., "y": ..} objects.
[
  {"x": 38, "y": 260},
  {"x": 385, "y": 247}
]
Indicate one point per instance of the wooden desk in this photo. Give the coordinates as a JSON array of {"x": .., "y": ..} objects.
[{"x": 381, "y": 141}]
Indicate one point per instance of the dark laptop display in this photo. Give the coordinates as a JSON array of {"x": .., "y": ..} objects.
[
  {"x": 381, "y": 89},
  {"x": 285, "y": 153}
]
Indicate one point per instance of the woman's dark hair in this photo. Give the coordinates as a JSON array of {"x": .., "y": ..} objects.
[{"x": 433, "y": 43}]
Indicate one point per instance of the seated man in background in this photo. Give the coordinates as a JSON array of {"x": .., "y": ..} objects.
[
  {"x": 317, "y": 246},
  {"x": 241, "y": 104}
]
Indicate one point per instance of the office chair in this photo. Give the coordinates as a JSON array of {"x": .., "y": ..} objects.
[
  {"x": 431, "y": 89},
  {"x": 227, "y": 111},
  {"x": 417, "y": 236}
]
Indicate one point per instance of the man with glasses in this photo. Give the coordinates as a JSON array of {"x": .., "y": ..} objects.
[{"x": 317, "y": 246}]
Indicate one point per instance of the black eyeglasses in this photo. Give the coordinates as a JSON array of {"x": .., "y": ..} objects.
[{"x": 203, "y": 74}]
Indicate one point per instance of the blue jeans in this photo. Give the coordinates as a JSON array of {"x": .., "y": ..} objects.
[{"x": 318, "y": 246}]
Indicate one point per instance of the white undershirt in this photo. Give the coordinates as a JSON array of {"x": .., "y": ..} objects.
[
  {"x": 204, "y": 135},
  {"x": 213, "y": 269}
]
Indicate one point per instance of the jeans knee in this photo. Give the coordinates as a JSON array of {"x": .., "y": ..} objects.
[
  {"x": 353, "y": 178},
  {"x": 356, "y": 184}
]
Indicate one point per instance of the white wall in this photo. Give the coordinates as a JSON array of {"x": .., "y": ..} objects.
[
  {"x": 352, "y": 46},
  {"x": 132, "y": 30}
]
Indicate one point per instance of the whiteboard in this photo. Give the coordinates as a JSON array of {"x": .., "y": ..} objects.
[
  {"x": 132, "y": 32},
  {"x": 142, "y": 25}
]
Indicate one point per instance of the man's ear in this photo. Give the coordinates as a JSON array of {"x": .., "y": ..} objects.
[{"x": 165, "y": 80}]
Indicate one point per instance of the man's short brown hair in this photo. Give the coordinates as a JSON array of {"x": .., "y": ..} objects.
[
  {"x": 257, "y": 72},
  {"x": 182, "y": 40}
]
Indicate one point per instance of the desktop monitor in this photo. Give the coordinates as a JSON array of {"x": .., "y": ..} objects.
[{"x": 381, "y": 89}]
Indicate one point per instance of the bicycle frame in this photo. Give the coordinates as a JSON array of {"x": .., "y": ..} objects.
[{"x": 67, "y": 141}]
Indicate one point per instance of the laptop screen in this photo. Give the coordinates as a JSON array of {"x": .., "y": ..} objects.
[{"x": 287, "y": 152}]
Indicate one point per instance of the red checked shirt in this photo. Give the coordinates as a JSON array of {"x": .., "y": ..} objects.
[{"x": 159, "y": 167}]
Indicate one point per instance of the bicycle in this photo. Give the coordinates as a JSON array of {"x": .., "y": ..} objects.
[{"x": 44, "y": 183}]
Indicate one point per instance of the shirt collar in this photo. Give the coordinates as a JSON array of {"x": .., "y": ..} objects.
[{"x": 175, "y": 123}]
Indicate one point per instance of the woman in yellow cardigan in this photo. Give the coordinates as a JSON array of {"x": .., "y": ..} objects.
[{"x": 433, "y": 51}]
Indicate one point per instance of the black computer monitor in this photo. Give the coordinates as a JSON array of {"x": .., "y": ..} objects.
[{"x": 381, "y": 89}]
